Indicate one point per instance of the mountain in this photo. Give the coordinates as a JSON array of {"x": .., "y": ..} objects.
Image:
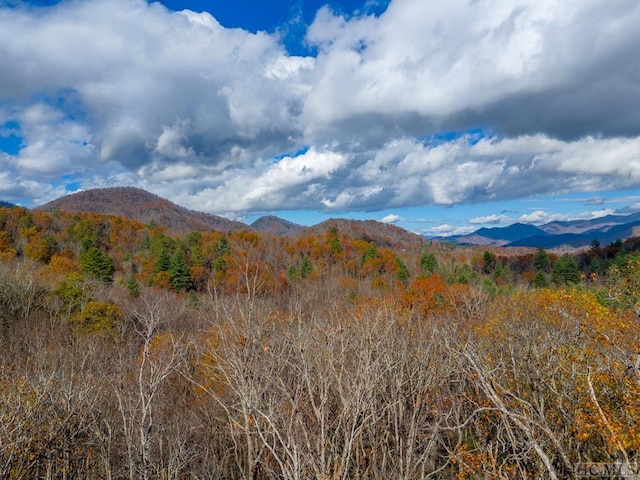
[
  {"x": 143, "y": 206},
  {"x": 500, "y": 236},
  {"x": 146, "y": 207},
  {"x": 581, "y": 226},
  {"x": 604, "y": 235},
  {"x": 382, "y": 234},
  {"x": 575, "y": 233},
  {"x": 275, "y": 226},
  {"x": 6, "y": 204}
]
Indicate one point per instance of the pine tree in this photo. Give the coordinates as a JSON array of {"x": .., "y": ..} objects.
[
  {"x": 179, "y": 271},
  {"x": 566, "y": 271},
  {"x": 163, "y": 262},
  {"x": 490, "y": 261},
  {"x": 97, "y": 263},
  {"x": 541, "y": 260},
  {"x": 305, "y": 266},
  {"x": 540, "y": 280},
  {"x": 403, "y": 271},
  {"x": 428, "y": 263}
]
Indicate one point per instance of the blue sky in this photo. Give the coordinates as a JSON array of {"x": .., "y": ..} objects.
[{"x": 438, "y": 116}]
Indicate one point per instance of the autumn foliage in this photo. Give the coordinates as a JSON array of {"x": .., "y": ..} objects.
[{"x": 127, "y": 352}]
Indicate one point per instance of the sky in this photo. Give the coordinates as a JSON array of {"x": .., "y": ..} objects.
[{"x": 440, "y": 116}]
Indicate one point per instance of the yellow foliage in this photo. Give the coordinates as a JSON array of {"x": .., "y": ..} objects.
[{"x": 98, "y": 317}]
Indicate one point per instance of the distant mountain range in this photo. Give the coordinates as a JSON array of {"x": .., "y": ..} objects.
[
  {"x": 146, "y": 207},
  {"x": 576, "y": 233},
  {"x": 6, "y": 204}
]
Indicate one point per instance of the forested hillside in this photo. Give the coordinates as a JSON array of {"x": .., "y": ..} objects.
[
  {"x": 128, "y": 352},
  {"x": 140, "y": 205}
]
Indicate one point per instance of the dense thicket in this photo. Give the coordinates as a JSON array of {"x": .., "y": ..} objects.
[{"x": 244, "y": 356}]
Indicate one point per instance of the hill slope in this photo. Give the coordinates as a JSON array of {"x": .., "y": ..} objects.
[
  {"x": 382, "y": 234},
  {"x": 275, "y": 226},
  {"x": 143, "y": 206}
]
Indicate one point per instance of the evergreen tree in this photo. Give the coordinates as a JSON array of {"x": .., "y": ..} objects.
[
  {"x": 541, "y": 260},
  {"x": 489, "y": 260},
  {"x": 163, "y": 262},
  {"x": 132, "y": 285},
  {"x": 97, "y": 263},
  {"x": 292, "y": 273},
  {"x": 403, "y": 271},
  {"x": 428, "y": 263},
  {"x": 223, "y": 247},
  {"x": 179, "y": 271},
  {"x": 305, "y": 266},
  {"x": 565, "y": 271},
  {"x": 370, "y": 253},
  {"x": 540, "y": 280},
  {"x": 222, "y": 250}
]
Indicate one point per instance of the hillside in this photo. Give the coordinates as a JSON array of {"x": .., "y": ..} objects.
[
  {"x": 275, "y": 226},
  {"x": 382, "y": 234},
  {"x": 138, "y": 204}
]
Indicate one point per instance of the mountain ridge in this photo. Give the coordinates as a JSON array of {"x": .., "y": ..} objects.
[
  {"x": 146, "y": 207},
  {"x": 556, "y": 234}
]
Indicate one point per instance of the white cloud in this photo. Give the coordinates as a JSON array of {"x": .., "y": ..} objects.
[
  {"x": 392, "y": 218},
  {"x": 108, "y": 91},
  {"x": 53, "y": 143},
  {"x": 440, "y": 59},
  {"x": 446, "y": 230},
  {"x": 541, "y": 216},
  {"x": 493, "y": 219}
]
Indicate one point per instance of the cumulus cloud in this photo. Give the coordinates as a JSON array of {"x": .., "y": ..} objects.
[
  {"x": 446, "y": 230},
  {"x": 391, "y": 218},
  {"x": 566, "y": 69},
  {"x": 128, "y": 92},
  {"x": 541, "y": 216},
  {"x": 493, "y": 219}
]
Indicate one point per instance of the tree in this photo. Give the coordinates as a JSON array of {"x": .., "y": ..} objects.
[
  {"x": 41, "y": 248},
  {"x": 540, "y": 280},
  {"x": 541, "y": 260},
  {"x": 565, "y": 271},
  {"x": 163, "y": 262},
  {"x": 403, "y": 271},
  {"x": 428, "y": 263},
  {"x": 489, "y": 261},
  {"x": 305, "y": 266},
  {"x": 96, "y": 263},
  {"x": 179, "y": 271},
  {"x": 98, "y": 317}
]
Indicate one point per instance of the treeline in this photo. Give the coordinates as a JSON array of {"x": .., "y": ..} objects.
[{"x": 126, "y": 352}]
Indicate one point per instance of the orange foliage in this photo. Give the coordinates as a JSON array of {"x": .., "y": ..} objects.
[{"x": 427, "y": 295}]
